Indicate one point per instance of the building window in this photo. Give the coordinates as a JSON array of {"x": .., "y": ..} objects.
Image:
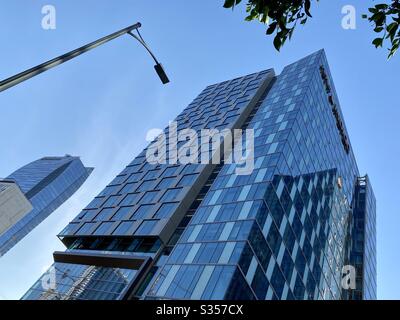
[
  {"x": 104, "y": 214},
  {"x": 218, "y": 284},
  {"x": 190, "y": 168},
  {"x": 87, "y": 215},
  {"x": 146, "y": 186},
  {"x": 111, "y": 201},
  {"x": 109, "y": 190},
  {"x": 69, "y": 229},
  {"x": 95, "y": 203},
  {"x": 213, "y": 196},
  {"x": 142, "y": 212},
  {"x": 86, "y": 228},
  {"x": 118, "y": 180},
  {"x": 283, "y": 126},
  {"x": 130, "y": 187},
  {"x": 149, "y": 197},
  {"x": 134, "y": 177},
  {"x": 187, "y": 180},
  {"x": 103, "y": 228},
  {"x": 273, "y": 148},
  {"x": 166, "y": 183},
  {"x": 170, "y": 171},
  {"x": 165, "y": 210},
  {"x": 123, "y": 228},
  {"x": 146, "y": 228},
  {"x": 153, "y": 174},
  {"x": 122, "y": 213},
  {"x": 171, "y": 195},
  {"x": 129, "y": 200}
]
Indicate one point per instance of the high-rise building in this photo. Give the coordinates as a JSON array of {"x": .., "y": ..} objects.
[
  {"x": 34, "y": 192},
  {"x": 283, "y": 230},
  {"x": 13, "y": 204},
  {"x": 361, "y": 251}
]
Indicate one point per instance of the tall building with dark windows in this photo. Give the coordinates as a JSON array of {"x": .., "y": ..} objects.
[
  {"x": 35, "y": 191},
  {"x": 285, "y": 230},
  {"x": 361, "y": 251}
]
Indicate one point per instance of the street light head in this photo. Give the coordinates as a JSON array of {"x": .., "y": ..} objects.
[
  {"x": 158, "y": 67},
  {"x": 161, "y": 73}
]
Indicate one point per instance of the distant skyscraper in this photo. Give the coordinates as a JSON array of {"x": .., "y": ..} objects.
[
  {"x": 285, "y": 230},
  {"x": 13, "y": 204},
  {"x": 38, "y": 189}
]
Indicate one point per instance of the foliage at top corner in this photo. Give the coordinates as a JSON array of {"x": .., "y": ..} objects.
[{"x": 282, "y": 16}]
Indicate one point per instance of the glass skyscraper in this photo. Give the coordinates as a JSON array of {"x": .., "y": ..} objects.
[
  {"x": 46, "y": 183},
  {"x": 285, "y": 230},
  {"x": 361, "y": 251}
]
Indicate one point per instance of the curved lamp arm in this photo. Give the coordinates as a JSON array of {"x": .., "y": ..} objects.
[{"x": 158, "y": 67}]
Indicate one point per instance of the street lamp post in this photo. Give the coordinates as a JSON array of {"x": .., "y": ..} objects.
[{"x": 32, "y": 72}]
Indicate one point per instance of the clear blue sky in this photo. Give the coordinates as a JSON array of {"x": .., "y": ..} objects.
[{"x": 101, "y": 105}]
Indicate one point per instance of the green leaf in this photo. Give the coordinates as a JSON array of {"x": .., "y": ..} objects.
[
  {"x": 393, "y": 51},
  {"x": 392, "y": 30},
  {"x": 271, "y": 28},
  {"x": 307, "y": 7},
  {"x": 392, "y": 27},
  {"x": 382, "y": 6},
  {"x": 264, "y": 18},
  {"x": 378, "y": 42},
  {"x": 277, "y": 43},
  {"x": 231, "y": 3}
]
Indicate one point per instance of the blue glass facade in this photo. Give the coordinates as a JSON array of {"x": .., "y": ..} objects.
[
  {"x": 47, "y": 183},
  {"x": 281, "y": 232},
  {"x": 362, "y": 242},
  {"x": 80, "y": 281},
  {"x": 282, "y": 229}
]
